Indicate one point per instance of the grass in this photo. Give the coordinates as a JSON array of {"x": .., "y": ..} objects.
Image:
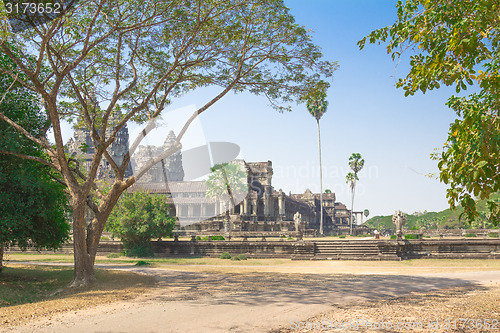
[{"x": 30, "y": 291}]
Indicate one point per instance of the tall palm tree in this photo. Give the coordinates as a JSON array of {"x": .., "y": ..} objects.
[
  {"x": 316, "y": 108},
  {"x": 356, "y": 163}
]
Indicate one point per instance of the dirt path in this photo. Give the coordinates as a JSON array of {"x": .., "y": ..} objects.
[{"x": 250, "y": 302}]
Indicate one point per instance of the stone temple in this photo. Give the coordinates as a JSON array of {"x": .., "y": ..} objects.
[{"x": 262, "y": 209}]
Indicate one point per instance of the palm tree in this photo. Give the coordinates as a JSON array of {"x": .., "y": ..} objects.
[
  {"x": 226, "y": 182},
  {"x": 316, "y": 108},
  {"x": 356, "y": 163}
]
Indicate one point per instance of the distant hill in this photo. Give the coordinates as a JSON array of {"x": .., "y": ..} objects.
[{"x": 446, "y": 219}]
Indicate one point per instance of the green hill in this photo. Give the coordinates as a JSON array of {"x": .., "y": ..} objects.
[{"x": 446, "y": 219}]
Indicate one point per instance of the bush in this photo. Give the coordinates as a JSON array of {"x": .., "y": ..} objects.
[
  {"x": 235, "y": 258},
  {"x": 493, "y": 234},
  {"x": 342, "y": 236},
  {"x": 427, "y": 236},
  {"x": 470, "y": 235},
  {"x": 394, "y": 237},
  {"x": 205, "y": 238},
  {"x": 139, "y": 250},
  {"x": 142, "y": 263},
  {"x": 137, "y": 218},
  {"x": 104, "y": 238},
  {"x": 242, "y": 257},
  {"x": 411, "y": 236},
  {"x": 198, "y": 238},
  {"x": 113, "y": 255},
  {"x": 225, "y": 255}
]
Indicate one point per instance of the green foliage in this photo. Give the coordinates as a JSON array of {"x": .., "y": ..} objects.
[
  {"x": 138, "y": 218},
  {"x": 225, "y": 255},
  {"x": 142, "y": 263},
  {"x": 113, "y": 255},
  {"x": 227, "y": 181},
  {"x": 470, "y": 235},
  {"x": 34, "y": 208},
  {"x": 342, "y": 236},
  {"x": 364, "y": 235},
  {"x": 459, "y": 46},
  {"x": 411, "y": 236},
  {"x": 238, "y": 257},
  {"x": 493, "y": 234},
  {"x": 446, "y": 219},
  {"x": 215, "y": 238},
  {"x": 394, "y": 237},
  {"x": 316, "y": 105}
]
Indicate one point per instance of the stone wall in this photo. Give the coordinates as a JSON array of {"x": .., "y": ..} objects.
[{"x": 338, "y": 249}]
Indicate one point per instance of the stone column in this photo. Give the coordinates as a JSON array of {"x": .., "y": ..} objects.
[
  {"x": 265, "y": 200},
  {"x": 281, "y": 203},
  {"x": 190, "y": 210},
  {"x": 245, "y": 206}
]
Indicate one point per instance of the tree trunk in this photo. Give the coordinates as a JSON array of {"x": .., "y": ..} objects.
[
  {"x": 352, "y": 204},
  {"x": 84, "y": 269},
  {"x": 320, "y": 183},
  {"x": 1, "y": 257}
]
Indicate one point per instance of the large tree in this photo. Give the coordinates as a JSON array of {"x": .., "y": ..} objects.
[
  {"x": 456, "y": 43},
  {"x": 138, "y": 56},
  {"x": 34, "y": 207}
]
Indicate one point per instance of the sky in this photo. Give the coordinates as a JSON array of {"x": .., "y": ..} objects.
[{"x": 366, "y": 114}]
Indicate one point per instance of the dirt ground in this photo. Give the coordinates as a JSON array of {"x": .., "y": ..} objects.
[{"x": 283, "y": 298}]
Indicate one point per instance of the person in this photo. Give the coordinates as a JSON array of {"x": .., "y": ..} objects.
[{"x": 377, "y": 235}]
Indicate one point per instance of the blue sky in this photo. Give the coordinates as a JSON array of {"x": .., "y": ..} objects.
[{"x": 366, "y": 114}]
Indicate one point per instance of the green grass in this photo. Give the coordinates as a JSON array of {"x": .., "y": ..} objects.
[
  {"x": 195, "y": 260},
  {"x": 29, "y": 285}
]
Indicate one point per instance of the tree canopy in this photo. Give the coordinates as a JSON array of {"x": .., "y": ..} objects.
[
  {"x": 138, "y": 218},
  {"x": 34, "y": 207},
  {"x": 456, "y": 44}
]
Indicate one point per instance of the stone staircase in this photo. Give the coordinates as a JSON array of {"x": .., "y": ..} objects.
[{"x": 355, "y": 250}]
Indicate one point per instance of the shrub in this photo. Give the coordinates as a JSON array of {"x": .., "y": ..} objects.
[
  {"x": 427, "y": 236},
  {"x": 394, "y": 237},
  {"x": 113, "y": 255},
  {"x": 142, "y": 263},
  {"x": 198, "y": 238},
  {"x": 342, "y": 236},
  {"x": 104, "y": 238},
  {"x": 235, "y": 258},
  {"x": 137, "y": 218},
  {"x": 411, "y": 236},
  {"x": 139, "y": 250},
  {"x": 242, "y": 257},
  {"x": 205, "y": 238},
  {"x": 470, "y": 235},
  {"x": 493, "y": 234},
  {"x": 225, "y": 255}
]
